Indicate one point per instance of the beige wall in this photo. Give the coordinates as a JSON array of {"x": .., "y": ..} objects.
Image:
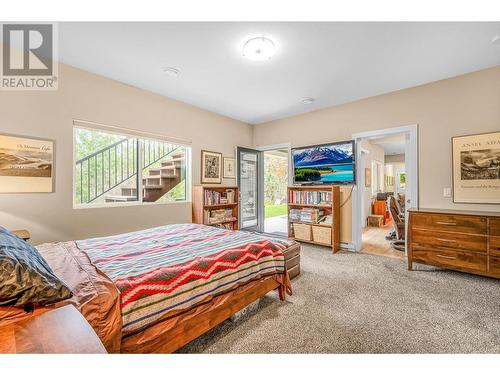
[
  {"x": 398, "y": 158},
  {"x": 86, "y": 96},
  {"x": 462, "y": 105}
]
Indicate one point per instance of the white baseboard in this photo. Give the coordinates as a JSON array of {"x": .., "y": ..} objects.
[{"x": 348, "y": 246}]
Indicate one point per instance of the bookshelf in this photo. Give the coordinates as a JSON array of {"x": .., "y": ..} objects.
[
  {"x": 304, "y": 225},
  {"x": 216, "y": 206}
]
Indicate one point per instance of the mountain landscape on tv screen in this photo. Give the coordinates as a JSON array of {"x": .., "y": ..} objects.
[{"x": 323, "y": 155}]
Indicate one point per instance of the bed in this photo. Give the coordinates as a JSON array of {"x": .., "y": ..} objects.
[{"x": 153, "y": 291}]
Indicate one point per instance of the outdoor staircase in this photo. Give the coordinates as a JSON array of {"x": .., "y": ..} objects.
[
  {"x": 110, "y": 174},
  {"x": 156, "y": 184}
]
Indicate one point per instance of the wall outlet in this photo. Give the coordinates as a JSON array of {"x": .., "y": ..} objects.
[{"x": 447, "y": 192}]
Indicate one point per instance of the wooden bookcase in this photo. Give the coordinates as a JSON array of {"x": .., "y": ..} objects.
[
  {"x": 201, "y": 206},
  {"x": 316, "y": 230}
]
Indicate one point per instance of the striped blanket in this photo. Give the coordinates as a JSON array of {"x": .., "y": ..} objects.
[{"x": 164, "y": 270}]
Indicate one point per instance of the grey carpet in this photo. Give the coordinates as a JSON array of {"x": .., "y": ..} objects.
[{"x": 362, "y": 303}]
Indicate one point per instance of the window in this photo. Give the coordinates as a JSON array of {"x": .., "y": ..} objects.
[
  {"x": 113, "y": 168},
  {"x": 402, "y": 180}
]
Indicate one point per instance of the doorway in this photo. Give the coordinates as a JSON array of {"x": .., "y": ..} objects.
[
  {"x": 263, "y": 178},
  {"x": 387, "y": 186},
  {"x": 275, "y": 191}
]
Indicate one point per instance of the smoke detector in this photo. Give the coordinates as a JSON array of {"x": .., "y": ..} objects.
[{"x": 171, "y": 72}]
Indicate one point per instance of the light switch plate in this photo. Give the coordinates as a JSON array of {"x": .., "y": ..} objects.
[{"x": 447, "y": 192}]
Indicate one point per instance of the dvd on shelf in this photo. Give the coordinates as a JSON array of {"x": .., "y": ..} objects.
[{"x": 311, "y": 197}]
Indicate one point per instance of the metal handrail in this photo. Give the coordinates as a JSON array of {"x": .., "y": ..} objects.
[{"x": 101, "y": 151}]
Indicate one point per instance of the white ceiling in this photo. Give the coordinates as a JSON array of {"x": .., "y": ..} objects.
[
  {"x": 392, "y": 144},
  {"x": 332, "y": 62}
]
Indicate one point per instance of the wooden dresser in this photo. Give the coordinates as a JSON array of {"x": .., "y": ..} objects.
[{"x": 466, "y": 241}]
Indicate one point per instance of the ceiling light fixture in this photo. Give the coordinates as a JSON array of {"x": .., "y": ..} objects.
[
  {"x": 496, "y": 40},
  {"x": 259, "y": 49},
  {"x": 307, "y": 100},
  {"x": 171, "y": 72}
]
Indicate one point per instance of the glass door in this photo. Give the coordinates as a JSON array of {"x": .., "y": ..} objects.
[{"x": 249, "y": 182}]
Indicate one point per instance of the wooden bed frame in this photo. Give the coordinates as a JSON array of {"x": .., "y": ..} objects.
[{"x": 188, "y": 329}]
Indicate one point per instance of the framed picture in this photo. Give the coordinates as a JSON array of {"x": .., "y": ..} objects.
[
  {"x": 211, "y": 163},
  {"x": 229, "y": 170},
  {"x": 476, "y": 168},
  {"x": 26, "y": 164},
  {"x": 368, "y": 177}
]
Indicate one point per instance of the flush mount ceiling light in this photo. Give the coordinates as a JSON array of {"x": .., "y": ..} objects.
[
  {"x": 259, "y": 49},
  {"x": 307, "y": 100},
  {"x": 496, "y": 40},
  {"x": 171, "y": 72}
]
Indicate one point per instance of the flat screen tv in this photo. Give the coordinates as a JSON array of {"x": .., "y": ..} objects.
[{"x": 331, "y": 164}]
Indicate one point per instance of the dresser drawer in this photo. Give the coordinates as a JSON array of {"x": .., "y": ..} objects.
[
  {"x": 495, "y": 245},
  {"x": 451, "y": 258},
  {"x": 450, "y": 240},
  {"x": 450, "y": 223},
  {"x": 494, "y": 227},
  {"x": 495, "y": 266}
]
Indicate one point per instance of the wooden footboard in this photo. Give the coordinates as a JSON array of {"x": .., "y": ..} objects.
[{"x": 171, "y": 336}]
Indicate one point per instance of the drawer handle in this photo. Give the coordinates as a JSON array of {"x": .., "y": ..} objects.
[
  {"x": 445, "y": 223},
  {"x": 445, "y": 240},
  {"x": 446, "y": 257}
]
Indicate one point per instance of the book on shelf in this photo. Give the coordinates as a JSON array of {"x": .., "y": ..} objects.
[
  {"x": 306, "y": 215},
  {"x": 229, "y": 226},
  {"x": 326, "y": 220},
  {"x": 220, "y": 215},
  {"x": 311, "y": 197},
  {"x": 214, "y": 197}
]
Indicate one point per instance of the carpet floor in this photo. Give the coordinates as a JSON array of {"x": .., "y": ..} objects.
[{"x": 363, "y": 303}]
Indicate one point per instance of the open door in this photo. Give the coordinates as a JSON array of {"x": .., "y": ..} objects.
[{"x": 249, "y": 183}]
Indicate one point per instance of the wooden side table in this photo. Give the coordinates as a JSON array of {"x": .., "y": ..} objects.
[
  {"x": 60, "y": 331},
  {"x": 375, "y": 220}
]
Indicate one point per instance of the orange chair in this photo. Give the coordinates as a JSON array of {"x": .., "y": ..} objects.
[{"x": 380, "y": 208}]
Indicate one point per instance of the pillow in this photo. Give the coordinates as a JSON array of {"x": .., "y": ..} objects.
[{"x": 25, "y": 277}]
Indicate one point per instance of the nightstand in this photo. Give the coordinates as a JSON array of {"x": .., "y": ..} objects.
[
  {"x": 22, "y": 233},
  {"x": 60, "y": 331}
]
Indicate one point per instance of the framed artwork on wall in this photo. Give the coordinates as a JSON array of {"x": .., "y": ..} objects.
[
  {"x": 368, "y": 177},
  {"x": 211, "y": 167},
  {"x": 476, "y": 168},
  {"x": 26, "y": 164},
  {"x": 229, "y": 170}
]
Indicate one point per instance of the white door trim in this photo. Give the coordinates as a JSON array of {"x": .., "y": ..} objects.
[{"x": 411, "y": 168}]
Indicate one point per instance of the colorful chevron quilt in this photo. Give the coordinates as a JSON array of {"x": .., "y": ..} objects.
[{"x": 172, "y": 268}]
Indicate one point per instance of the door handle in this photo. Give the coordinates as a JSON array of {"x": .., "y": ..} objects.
[
  {"x": 446, "y": 257},
  {"x": 445, "y": 223}
]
